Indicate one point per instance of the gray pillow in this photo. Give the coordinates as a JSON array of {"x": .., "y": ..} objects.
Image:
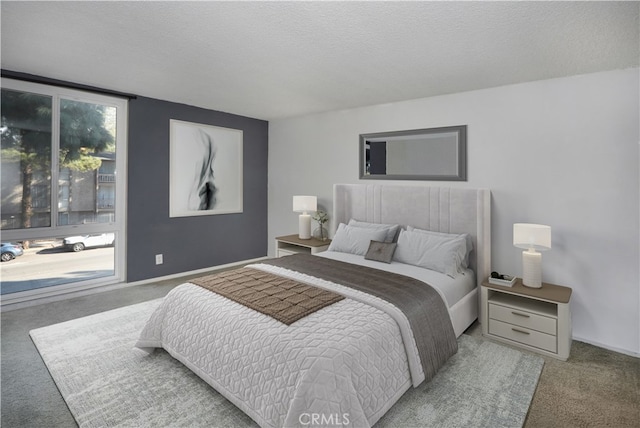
[
  {"x": 466, "y": 236},
  {"x": 390, "y": 229},
  {"x": 431, "y": 251},
  {"x": 354, "y": 240},
  {"x": 381, "y": 251}
]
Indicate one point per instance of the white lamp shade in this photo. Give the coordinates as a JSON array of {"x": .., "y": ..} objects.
[
  {"x": 303, "y": 204},
  {"x": 532, "y": 236}
]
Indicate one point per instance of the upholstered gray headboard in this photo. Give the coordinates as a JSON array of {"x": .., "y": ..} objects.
[{"x": 441, "y": 209}]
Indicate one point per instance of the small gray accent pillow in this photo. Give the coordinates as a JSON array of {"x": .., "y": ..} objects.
[{"x": 381, "y": 251}]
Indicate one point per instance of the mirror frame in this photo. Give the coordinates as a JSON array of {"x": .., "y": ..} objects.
[{"x": 461, "y": 151}]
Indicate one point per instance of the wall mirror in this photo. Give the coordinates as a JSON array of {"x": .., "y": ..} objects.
[{"x": 419, "y": 154}]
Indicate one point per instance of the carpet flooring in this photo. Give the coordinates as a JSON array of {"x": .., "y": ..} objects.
[
  {"x": 107, "y": 382},
  {"x": 596, "y": 387}
]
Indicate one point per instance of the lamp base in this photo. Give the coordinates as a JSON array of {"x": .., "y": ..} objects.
[
  {"x": 532, "y": 269},
  {"x": 304, "y": 226}
]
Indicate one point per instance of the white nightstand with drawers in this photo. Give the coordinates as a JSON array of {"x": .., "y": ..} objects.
[{"x": 538, "y": 319}]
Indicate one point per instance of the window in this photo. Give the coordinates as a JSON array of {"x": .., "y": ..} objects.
[{"x": 63, "y": 163}]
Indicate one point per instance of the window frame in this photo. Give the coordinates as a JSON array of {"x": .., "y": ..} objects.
[{"x": 57, "y": 231}]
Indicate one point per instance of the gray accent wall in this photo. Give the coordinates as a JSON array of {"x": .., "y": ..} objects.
[{"x": 188, "y": 243}]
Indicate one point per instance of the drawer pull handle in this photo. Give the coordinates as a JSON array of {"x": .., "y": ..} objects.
[
  {"x": 520, "y": 331},
  {"x": 519, "y": 314}
]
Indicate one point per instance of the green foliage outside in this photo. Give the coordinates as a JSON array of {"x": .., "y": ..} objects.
[{"x": 26, "y": 137}]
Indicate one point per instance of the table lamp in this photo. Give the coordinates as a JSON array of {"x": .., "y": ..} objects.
[
  {"x": 302, "y": 204},
  {"x": 532, "y": 238}
]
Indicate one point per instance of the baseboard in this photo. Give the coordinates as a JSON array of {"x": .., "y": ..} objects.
[
  {"x": 609, "y": 347},
  {"x": 196, "y": 272},
  {"x": 95, "y": 289}
]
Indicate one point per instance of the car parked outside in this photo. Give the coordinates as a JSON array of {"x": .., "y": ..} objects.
[
  {"x": 10, "y": 251},
  {"x": 79, "y": 243}
]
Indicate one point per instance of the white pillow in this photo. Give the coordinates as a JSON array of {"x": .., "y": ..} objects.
[
  {"x": 355, "y": 240},
  {"x": 390, "y": 229},
  {"x": 466, "y": 236},
  {"x": 438, "y": 253}
]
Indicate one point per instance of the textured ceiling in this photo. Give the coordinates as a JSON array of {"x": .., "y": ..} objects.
[{"x": 272, "y": 60}]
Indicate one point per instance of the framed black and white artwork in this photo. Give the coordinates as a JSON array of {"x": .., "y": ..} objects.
[{"x": 205, "y": 170}]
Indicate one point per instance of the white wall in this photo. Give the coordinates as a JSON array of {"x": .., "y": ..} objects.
[{"x": 562, "y": 152}]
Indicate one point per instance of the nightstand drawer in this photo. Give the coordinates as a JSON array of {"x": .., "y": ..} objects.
[
  {"x": 522, "y": 318},
  {"x": 519, "y": 334}
]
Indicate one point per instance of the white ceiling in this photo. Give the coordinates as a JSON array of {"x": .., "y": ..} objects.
[{"x": 272, "y": 60}]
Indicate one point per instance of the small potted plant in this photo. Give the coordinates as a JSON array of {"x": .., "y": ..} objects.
[{"x": 321, "y": 233}]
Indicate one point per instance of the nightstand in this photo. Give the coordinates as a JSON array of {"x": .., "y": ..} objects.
[
  {"x": 291, "y": 244},
  {"x": 537, "y": 319}
]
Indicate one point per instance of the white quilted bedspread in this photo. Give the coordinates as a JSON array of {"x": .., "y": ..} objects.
[{"x": 345, "y": 363}]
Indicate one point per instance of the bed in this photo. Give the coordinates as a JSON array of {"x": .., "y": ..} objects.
[{"x": 349, "y": 361}]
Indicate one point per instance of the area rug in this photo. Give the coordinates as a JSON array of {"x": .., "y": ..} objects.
[{"x": 106, "y": 382}]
